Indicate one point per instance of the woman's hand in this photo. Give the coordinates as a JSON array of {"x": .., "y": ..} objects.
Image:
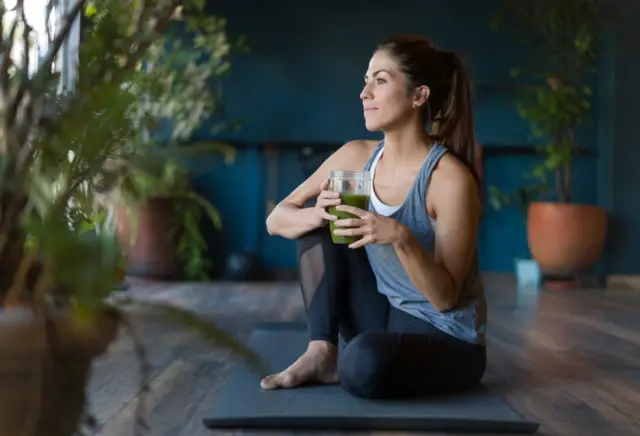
[
  {"x": 374, "y": 228},
  {"x": 325, "y": 199}
]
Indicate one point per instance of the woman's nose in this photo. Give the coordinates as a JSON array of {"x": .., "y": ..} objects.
[{"x": 366, "y": 93}]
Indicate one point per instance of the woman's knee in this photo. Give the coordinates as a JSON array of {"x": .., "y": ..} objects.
[{"x": 364, "y": 365}]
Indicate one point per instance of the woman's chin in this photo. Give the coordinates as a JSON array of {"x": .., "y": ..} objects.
[{"x": 373, "y": 127}]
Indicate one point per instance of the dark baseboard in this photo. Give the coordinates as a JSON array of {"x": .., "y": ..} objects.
[
  {"x": 277, "y": 274},
  {"x": 623, "y": 281}
]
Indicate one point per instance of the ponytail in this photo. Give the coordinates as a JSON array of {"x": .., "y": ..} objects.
[
  {"x": 453, "y": 124},
  {"x": 448, "y": 108}
]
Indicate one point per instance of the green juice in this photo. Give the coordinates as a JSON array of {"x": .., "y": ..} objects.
[{"x": 360, "y": 201}]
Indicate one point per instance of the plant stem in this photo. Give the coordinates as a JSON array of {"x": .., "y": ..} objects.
[
  {"x": 568, "y": 172},
  {"x": 20, "y": 278},
  {"x": 559, "y": 182}
]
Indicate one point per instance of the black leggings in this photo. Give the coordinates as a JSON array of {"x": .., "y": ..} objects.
[{"x": 388, "y": 353}]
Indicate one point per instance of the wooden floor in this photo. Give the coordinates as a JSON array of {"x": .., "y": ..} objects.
[{"x": 569, "y": 359}]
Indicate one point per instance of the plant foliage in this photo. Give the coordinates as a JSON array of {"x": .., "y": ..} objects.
[
  {"x": 64, "y": 151},
  {"x": 555, "y": 92}
]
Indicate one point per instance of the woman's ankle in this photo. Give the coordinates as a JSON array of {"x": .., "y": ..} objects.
[{"x": 321, "y": 345}]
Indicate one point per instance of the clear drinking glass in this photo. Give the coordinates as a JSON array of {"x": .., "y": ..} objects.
[{"x": 354, "y": 188}]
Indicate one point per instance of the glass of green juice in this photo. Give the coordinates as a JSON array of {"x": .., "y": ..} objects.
[{"x": 354, "y": 188}]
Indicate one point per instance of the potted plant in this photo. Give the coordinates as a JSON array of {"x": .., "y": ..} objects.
[
  {"x": 179, "y": 90},
  {"x": 565, "y": 238},
  {"x": 61, "y": 153},
  {"x": 159, "y": 221}
]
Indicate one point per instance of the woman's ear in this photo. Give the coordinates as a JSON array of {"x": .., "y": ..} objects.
[{"x": 421, "y": 96}]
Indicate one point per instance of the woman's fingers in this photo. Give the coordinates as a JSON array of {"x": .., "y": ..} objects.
[
  {"x": 327, "y": 202},
  {"x": 327, "y": 216},
  {"x": 356, "y": 211},
  {"x": 352, "y": 231},
  {"x": 327, "y": 199},
  {"x": 328, "y": 194},
  {"x": 351, "y": 222},
  {"x": 365, "y": 240}
]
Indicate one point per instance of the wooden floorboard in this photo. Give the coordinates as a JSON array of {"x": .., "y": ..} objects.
[{"x": 568, "y": 359}]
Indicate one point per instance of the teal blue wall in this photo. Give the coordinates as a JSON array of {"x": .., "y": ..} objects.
[
  {"x": 621, "y": 166},
  {"x": 301, "y": 82}
]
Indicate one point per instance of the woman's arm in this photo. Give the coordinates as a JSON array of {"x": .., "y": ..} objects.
[
  {"x": 290, "y": 219},
  {"x": 453, "y": 195}
]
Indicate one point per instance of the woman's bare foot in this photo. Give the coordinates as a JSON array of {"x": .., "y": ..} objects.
[{"x": 317, "y": 365}]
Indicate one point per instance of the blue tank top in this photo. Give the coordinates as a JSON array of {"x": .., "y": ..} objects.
[{"x": 467, "y": 320}]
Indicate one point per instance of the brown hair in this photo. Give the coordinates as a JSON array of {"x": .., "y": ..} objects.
[{"x": 449, "y": 108}]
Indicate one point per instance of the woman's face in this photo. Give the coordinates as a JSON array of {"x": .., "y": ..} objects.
[{"x": 386, "y": 99}]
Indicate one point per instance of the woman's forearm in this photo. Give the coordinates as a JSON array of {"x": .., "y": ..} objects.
[
  {"x": 291, "y": 222},
  {"x": 431, "y": 279}
]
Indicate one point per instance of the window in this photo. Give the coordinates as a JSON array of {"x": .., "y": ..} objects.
[{"x": 37, "y": 16}]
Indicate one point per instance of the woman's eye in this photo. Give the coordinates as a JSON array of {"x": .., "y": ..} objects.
[{"x": 380, "y": 81}]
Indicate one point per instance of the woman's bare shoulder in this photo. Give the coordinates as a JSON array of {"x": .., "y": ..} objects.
[
  {"x": 353, "y": 155},
  {"x": 452, "y": 178}
]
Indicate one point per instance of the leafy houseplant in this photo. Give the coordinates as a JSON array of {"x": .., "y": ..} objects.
[
  {"x": 179, "y": 87},
  {"x": 62, "y": 152},
  {"x": 160, "y": 229},
  {"x": 521, "y": 199},
  {"x": 556, "y": 98}
]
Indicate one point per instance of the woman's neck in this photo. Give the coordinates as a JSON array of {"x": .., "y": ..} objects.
[{"x": 405, "y": 145}]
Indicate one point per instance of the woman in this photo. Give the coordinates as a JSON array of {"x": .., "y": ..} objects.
[{"x": 410, "y": 305}]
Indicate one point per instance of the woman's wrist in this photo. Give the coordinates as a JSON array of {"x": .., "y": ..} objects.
[
  {"x": 310, "y": 218},
  {"x": 402, "y": 237}
]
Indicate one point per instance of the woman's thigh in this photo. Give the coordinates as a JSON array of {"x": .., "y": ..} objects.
[{"x": 413, "y": 359}]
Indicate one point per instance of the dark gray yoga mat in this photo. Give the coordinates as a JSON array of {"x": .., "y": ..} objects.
[{"x": 242, "y": 404}]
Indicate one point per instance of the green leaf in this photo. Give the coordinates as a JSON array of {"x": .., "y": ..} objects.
[
  {"x": 211, "y": 211},
  {"x": 91, "y": 10}
]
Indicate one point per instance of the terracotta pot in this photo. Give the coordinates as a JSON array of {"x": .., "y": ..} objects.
[
  {"x": 146, "y": 242},
  {"x": 566, "y": 238},
  {"x": 44, "y": 368}
]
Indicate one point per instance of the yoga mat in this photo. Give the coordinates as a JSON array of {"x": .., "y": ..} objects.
[{"x": 242, "y": 404}]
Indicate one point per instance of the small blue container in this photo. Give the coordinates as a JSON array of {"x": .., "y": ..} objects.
[{"x": 528, "y": 273}]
